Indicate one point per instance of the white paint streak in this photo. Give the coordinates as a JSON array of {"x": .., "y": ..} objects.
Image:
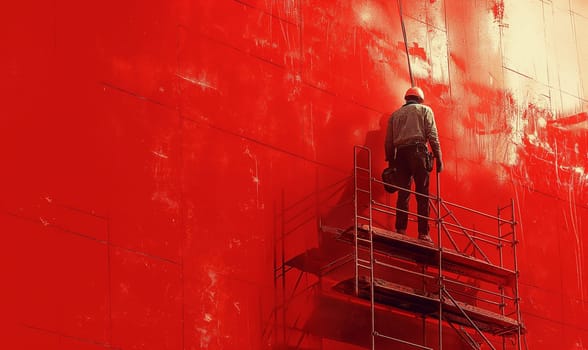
[
  {"x": 285, "y": 34},
  {"x": 202, "y": 81},
  {"x": 579, "y": 244},
  {"x": 164, "y": 198},
  {"x": 264, "y": 43},
  {"x": 516, "y": 137},
  {"x": 365, "y": 15},
  {"x": 371, "y": 16},
  {"x": 328, "y": 117},
  {"x": 160, "y": 154},
  {"x": 209, "y": 326},
  {"x": 234, "y": 243},
  {"x": 255, "y": 176},
  {"x": 44, "y": 222},
  {"x": 205, "y": 338},
  {"x": 541, "y": 122},
  {"x": 296, "y": 81},
  {"x": 211, "y": 296},
  {"x": 213, "y": 278},
  {"x": 420, "y": 68},
  {"x": 378, "y": 54},
  {"x": 310, "y": 135},
  {"x": 518, "y": 213}
]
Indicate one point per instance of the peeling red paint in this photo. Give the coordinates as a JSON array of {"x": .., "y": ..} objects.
[
  {"x": 414, "y": 50},
  {"x": 498, "y": 10}
]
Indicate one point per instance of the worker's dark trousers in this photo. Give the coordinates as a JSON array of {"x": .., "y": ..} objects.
[{"x": 410, "y": 164}]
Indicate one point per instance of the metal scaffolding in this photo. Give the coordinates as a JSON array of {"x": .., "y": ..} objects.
[
  {"x": 467, "y": 281},
  {"x": 486, "y": 304}
]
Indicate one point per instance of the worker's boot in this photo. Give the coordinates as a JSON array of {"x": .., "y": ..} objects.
[{"x": 425, "y": 237}]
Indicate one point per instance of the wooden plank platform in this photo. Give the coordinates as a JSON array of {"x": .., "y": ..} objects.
[
  {"x": 413, "y": 249},
  {"x": 317, "y": 262},
  {"x": 414, "y": 301},
  {"x": 346, "y": 318}
]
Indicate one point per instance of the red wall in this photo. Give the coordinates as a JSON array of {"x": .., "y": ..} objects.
[{"x": 153, "y": 151}]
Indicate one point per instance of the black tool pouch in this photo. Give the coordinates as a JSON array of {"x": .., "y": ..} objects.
[
  {"x": 428, "y": 161},
  {"x": 426, "y": 156}
]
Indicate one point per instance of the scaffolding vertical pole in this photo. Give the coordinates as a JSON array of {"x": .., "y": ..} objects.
[
  {"x": 500, "y": 253},
  {"x": 359, "y": 262},
  {"x": 440, "y": 266},
  {"x": 502, "y": 312},
  {"x": 283, "y": 266},
  {"x": 424, "y": 330},
  {"x": 372, "y": 287},
  {"x": 355, "y": 221},
  {"x": 516, "y": 269},
  {"x": 424, "y": 318},
  {"x": 276, "y": 276}
]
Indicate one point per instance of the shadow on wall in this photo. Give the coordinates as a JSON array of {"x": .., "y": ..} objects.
[
  {"x": 331, "y": 205},
  {"x": 340, "y": 213}
]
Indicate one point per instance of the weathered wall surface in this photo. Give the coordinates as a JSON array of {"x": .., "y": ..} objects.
[{"x": 153, "y": 151}]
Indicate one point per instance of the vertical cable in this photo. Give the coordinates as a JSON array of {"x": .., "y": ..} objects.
[{"x": 405, "y": 42}]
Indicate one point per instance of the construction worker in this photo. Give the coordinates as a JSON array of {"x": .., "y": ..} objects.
[{"x": 409, "y": 130}]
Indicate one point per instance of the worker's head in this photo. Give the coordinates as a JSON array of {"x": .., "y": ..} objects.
[{"x": 414, "y": 94}]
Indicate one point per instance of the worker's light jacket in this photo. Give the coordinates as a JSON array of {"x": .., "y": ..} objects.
[{"x": 410, "y": 124}]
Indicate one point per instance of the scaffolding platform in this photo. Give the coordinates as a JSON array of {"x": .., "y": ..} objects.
[
  {"x": 318, "y": 262},
  {"x": 344, "y": 317},
  {"x": 414, "y": 301},
  {"x": 399, "y": 279},
  {"x": 413, "y": 249}
]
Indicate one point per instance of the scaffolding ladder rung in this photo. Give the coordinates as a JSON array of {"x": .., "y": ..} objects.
[
  {"x": 364, "y": 218},
  {"x": 363, "y": 261},
  {"x": 365, "y": 266},
  {"x": 363, "y": 169},
  {"x": 364, "y": 240},
  {"x": 362, "y": 190}
]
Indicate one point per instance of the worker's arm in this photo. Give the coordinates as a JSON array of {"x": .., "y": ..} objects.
[{"x": 433, "y": 138}]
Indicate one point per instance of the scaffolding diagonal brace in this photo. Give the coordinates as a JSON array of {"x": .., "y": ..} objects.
[{"x": 473, "y": 324}]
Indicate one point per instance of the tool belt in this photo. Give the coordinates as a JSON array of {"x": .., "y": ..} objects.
[
  {"x": 417, "y": 146},
  {"x": 421, "y": 150}
]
